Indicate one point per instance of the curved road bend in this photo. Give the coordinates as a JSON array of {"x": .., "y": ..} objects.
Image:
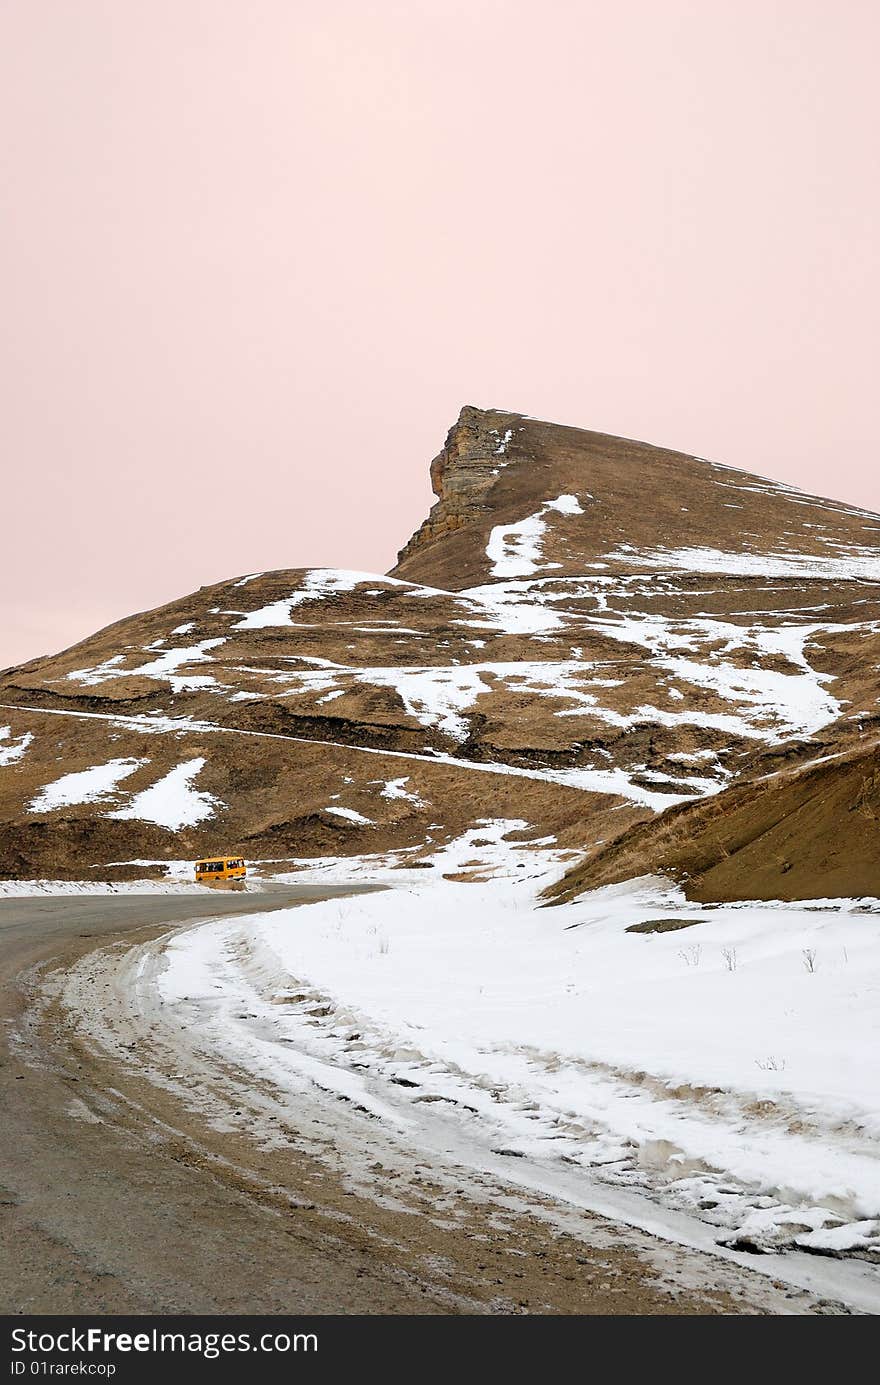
[{"x": 114, "y": 1199}]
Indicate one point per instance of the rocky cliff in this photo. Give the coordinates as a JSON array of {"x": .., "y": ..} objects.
[{"x": 463, "y": 473}]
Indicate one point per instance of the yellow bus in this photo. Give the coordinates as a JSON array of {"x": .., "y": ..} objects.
[{"x": 220, "y": 870}]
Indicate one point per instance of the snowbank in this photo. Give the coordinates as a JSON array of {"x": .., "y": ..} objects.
[
  {"x": 31, "y": 889},
  {"x": 720, "y": 1066}
]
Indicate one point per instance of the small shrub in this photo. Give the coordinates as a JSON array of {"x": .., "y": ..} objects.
[
  {"x": 691, "y": 955},
  {"x": 770, "y": 1064}
]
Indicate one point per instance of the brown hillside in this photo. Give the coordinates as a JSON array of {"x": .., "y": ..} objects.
[
  {"x": 586, "y": 631},
  {"x": 812, "y": 833}
]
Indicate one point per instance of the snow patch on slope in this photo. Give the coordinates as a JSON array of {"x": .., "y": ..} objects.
[
  {"x": 396, "y": 789},
  {"x": 350, "y": 815},
  {"x": 93, "y": 785},
  {"x": 317, "y": 584},
  {"x": 514, "y": 550},
  {"x": 162, "y": 667},
  {"x": 172, "y": 802},
  {"x": 13, "y": 752},
  {"x": 857, "y": 563}
]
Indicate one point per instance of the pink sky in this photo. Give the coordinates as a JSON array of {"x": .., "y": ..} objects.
[{"x": 255, "y": 254}]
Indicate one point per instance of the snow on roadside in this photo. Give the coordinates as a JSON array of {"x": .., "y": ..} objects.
[
  {"x": 718, "y": 1065},
  {"x": 31, "y": 889},
  {"x": 172, "y": 802}
]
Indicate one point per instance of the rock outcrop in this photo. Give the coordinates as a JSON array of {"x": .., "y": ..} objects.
[{"x": 462, "y": 474}]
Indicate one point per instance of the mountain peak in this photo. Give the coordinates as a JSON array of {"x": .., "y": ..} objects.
[{"x": 518, "y": 497}]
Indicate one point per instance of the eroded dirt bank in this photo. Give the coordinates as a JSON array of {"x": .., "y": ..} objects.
[{"x": 116, "y": 1195}]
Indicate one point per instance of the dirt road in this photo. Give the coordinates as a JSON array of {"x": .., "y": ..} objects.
[{"x": 116, "y": 1196}]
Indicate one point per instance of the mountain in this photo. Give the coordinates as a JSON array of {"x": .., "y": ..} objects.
[{"x": 649, "y": 657}]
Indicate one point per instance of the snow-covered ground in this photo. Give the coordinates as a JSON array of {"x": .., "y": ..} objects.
[
  {"x": 31, "y": 889},
  {"x": 720, "y": 1068}
]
